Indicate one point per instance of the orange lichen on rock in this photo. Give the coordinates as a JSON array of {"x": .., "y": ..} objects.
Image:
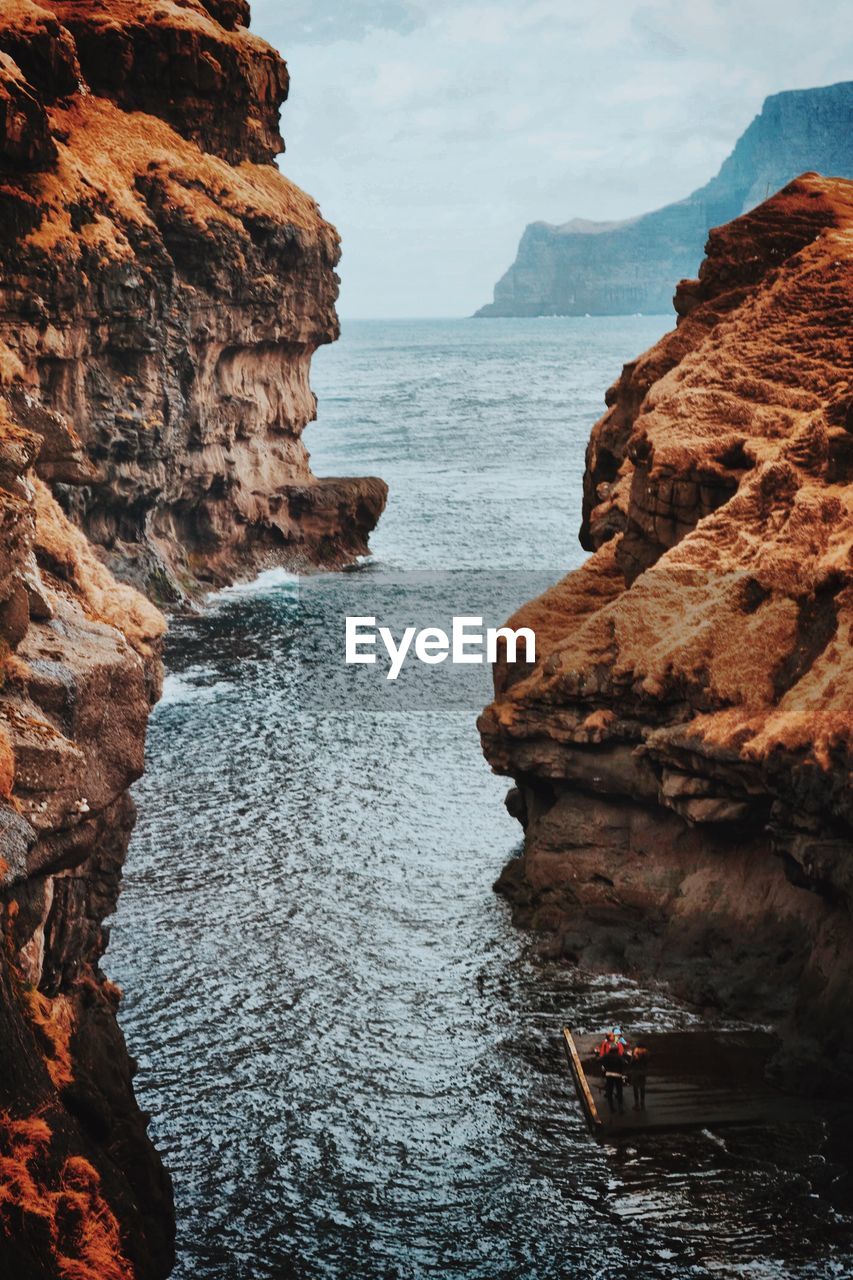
[
  {"x": 690, "y": 713},
  {"x": 189, "y": 15},
  {"x": 92, "y": 1247},
  {"x": 22, "y": 1142},
  {"x": 11, "y": 367},
  {"x": 27, "y": 19},
  {"x": 54, "y": 1018},
  {"x": 7, "y": 766},
  {"x": 111, "y": 156},
  {"x": 83, "y": 1232},
  {"x": 232, "y": 83},
  {"x": 140, "y": 187},
  {"x": 734, "y": 541}
]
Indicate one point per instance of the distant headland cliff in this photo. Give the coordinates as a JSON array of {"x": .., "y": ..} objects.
[
  {"x": 162, "y": 290},
  {"x": 682, "y": 749},
  {"x": 607, "y": 268}
]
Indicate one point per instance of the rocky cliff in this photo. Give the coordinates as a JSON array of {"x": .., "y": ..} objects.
[
  {"x": 162, "y": 290},
  {"x": 606, "y": 268},
  {"x": 82, "y": 1191},
  {"x": 682, "y": 747},
  {"x": 163, "y": 287}
]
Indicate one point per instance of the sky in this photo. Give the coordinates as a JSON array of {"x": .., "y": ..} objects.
[{"x": 432, "y": 131}]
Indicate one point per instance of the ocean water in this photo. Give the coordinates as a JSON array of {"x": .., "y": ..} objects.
[{"x": 351, "y": 1056}]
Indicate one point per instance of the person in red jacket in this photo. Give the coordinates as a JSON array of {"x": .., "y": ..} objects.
[{"x": 613, "y": 1039}]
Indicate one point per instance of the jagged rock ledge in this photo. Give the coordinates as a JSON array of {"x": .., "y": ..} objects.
[
  {"x": 163, "y": 288},
  {"x": 682, "y": 747}
]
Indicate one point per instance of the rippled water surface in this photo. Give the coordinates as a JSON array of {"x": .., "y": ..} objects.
[{"x": 352, "y": 1058}]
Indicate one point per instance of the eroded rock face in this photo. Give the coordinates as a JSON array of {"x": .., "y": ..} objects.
[
  {"x": 682, "y": 748},
  {"x": 162, "y": 291},
  {"x": 164, "y": 287},
  {"x": 80, "y": 1184}
]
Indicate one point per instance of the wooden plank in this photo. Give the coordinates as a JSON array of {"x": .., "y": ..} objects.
[
  {"x": 581, "y": 1083},
  {"x": 698, "y": 1079}
]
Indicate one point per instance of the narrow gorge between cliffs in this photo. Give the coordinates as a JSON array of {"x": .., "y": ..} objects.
[{"x": 351, "y": 1057}]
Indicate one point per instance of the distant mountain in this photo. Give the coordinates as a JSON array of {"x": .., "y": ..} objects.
[{"x": 618, "y": 268}]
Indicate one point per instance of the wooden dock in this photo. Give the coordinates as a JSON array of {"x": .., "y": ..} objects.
[{"x": 696, "y": 1080}]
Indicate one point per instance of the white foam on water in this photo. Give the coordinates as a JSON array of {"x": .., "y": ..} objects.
[
  {"x": 178, "y": 689},
  {"x": 267, "y": 581}
]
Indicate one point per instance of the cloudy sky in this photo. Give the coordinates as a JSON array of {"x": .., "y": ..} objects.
[{"x": 433, "y": 131}]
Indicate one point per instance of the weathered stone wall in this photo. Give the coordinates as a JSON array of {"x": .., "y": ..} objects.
[
  {"x": 682, "y": 748},
  {"x": 164, "y": 287}
]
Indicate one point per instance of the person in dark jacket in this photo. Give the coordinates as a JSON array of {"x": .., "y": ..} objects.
[
  {"x": 637, "y": 1069},
  {"x": 613, "y": 1067}
]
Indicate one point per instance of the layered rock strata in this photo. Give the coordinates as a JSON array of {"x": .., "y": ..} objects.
[
  {"x": 682, "y": 747},
  {"x": 82, "y": 1191},
  {"x": 163, "y": 287},
  {"x": 162, "y": 290}
]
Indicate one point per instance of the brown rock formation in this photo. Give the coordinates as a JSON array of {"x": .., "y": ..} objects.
[
  {"x": 82, "y": 1191},
  {"x": 162, "y": 291},
  {"x": 682, "y": 747},
  {"x": 164, "y": 287}
]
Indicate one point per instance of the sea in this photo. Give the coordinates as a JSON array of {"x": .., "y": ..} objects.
[{"x": 351, "y": 1057}]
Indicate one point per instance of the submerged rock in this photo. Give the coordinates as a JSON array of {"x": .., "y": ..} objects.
[{"x": 682, "y": 747}]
